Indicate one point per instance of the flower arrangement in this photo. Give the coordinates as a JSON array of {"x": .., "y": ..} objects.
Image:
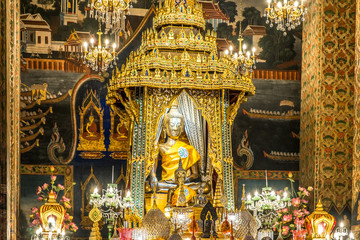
[
  {"x": 43, "y": 195},
  {"x": 291, "y": 219}
]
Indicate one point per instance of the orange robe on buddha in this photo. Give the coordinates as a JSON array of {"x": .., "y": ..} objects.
[{"x": 170, "y": 160}]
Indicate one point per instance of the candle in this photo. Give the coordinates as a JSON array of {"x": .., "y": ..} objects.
[
  {"x": 112, "y": 174},
  {"x": 231, "y": 49},
  {"x": 106, "y": 43},
  {"x": 128, "y": 194},
  {"x": 256, "y": 194},
  {"x": 253, "y": 51},
  {"x": 248, "y": 54},
  {"x": 244, "y": 47},
  {"x": 249, "y": 197},
  {"x": 226, "y": 52},
  {"x": 351, "y": 236},
  {"x": 320, "y": 229},
  {"x": 95, "y": 190},
  {"x": 92, "y": 42},
  {"x": 114, "y": 46},
  {"x": 269, "y": 1},
  {"x": 265, "y": 170},
  {"x": 85, "y": 46}
]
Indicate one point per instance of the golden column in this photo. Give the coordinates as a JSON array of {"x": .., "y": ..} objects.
[{"x": 327, "y": 101}]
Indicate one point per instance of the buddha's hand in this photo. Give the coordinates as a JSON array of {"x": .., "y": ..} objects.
[{"x": 154, "y": 183}]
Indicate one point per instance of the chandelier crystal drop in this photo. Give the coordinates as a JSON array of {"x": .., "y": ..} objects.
[
  {"x": 285, "y": 14},
  {"x": 109, "y": 11},
  {"x": 98, "y": 57}
]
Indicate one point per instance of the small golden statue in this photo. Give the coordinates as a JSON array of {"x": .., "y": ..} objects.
[
  {"x": 180, "y": 195},
  {"x": 173, "y": 125}
]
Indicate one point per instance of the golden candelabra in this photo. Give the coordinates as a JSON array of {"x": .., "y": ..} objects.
[
  {"x": 244, "y": 61},
  {"x": 287, "y": 15},
  {"x": 99, "y": 58},
  {"x": 109, "y": 11}
]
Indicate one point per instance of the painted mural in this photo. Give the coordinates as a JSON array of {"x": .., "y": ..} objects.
[{"x": 65, "y": 121}]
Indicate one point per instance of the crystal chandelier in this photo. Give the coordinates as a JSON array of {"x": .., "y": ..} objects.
[
  {"x": 99, "y": 58},
  {"x": 111, "y": 203},
  {"x": 285, "y": 14},
  {"x": 244, "y": 61},
  {"x": 265, "y": 205},
  {"x": 109, "y": 11}
]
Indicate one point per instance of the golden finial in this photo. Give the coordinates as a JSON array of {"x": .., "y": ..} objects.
[{"x": 243, "y": 199}]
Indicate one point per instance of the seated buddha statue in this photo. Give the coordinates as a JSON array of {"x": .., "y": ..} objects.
[
  {"x": 91, "y": 129},
  {"x": 173, "y": 125}
]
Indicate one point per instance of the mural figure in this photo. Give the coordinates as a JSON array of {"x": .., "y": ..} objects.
[
  {"x": 91, "y": 130},
  {"x": 119, "y": 141}
]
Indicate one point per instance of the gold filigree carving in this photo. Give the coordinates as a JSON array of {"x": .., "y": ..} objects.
[
  {"x": 232, "y": 110},
  {"x": 91, "y": 124}
]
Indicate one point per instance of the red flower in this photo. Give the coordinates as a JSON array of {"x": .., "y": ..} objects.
[
  {"x": 61, "y": 187},
  {"x": 40, "y": 198}
]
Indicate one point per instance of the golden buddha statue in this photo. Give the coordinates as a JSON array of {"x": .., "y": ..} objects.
[{"x": 173, "y": 125}]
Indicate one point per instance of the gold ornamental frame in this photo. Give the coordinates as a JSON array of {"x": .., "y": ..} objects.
[{"x": 10, "y": 101}]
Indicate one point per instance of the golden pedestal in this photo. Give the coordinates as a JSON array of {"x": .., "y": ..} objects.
[{"x": 161, "y": 201}]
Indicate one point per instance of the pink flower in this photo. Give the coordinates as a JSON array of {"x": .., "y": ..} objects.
[
  {"x": 66, "y": 226},
  {"x": 299, "y": 221},
  {"x": 34, "y": 210},
  {"x": 61, "y": 187},
  {"x": 284, "y": 210},
  {"x": 301, "y": 189},
  {"x": 35, "y": 222},
  {"x": 53, "y": 178},
  {"x": 305, "y": 201},
  {"x": 295, "y": 202},
  {"x": 38, "y": 190},
  {"x": 45, "y": 186},
  {"x": 310, "y": 188},
  {"x": 66, "y": 217},
  {"x": 285, "y": 230},
  {"x": 65, "y": 199},
  {"x": 306, "y": 193},
  {"x": 306, "y": 212},
  {"x": 287, "y": 218},
  {"x": 40, "y": 198}
]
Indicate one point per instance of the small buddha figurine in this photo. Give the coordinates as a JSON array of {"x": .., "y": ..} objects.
[
  {"x": 200, "y": 199},
  {"x": 173, "y": 125},
  {"x": 180, "y": 195}
]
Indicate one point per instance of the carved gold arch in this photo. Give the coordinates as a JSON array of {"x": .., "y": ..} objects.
[{"x": 86, "y": 223}]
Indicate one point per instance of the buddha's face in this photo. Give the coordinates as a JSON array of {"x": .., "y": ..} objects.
[{"x": 174, "y": 127}]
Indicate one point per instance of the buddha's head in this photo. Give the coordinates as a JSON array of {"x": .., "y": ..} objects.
[{"x": 174, "y": 122}]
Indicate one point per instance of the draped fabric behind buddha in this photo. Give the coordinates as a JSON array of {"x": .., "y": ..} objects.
[{"x": 193, "y": 124}]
